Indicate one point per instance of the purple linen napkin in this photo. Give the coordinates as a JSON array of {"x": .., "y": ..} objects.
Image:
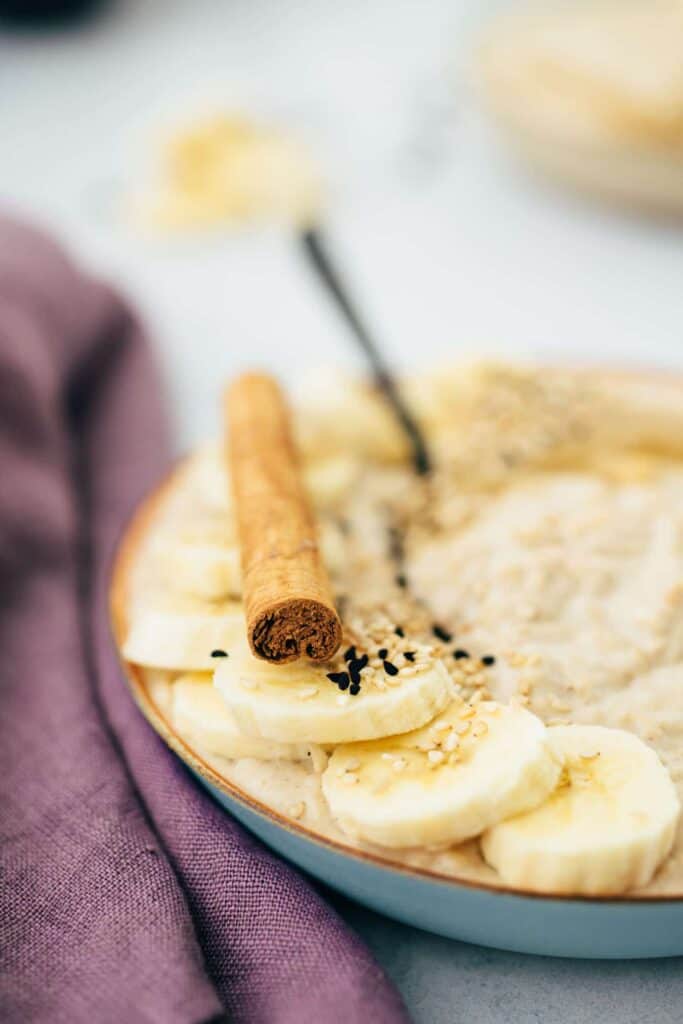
[{"x": 126, "y": 894}]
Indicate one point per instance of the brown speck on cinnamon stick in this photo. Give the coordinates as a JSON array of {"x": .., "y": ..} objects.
[{"x": 288, "y": 602}]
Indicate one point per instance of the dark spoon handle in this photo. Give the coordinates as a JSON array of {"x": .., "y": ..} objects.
[{"x": 318, "y": 254}]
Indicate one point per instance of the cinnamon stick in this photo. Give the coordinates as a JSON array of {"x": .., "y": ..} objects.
[{"x": 288, "y": 603}]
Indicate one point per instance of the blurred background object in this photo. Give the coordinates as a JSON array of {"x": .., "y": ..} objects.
[
  {"x": 225, "y": 170},
  {"x": 592, "y": 94},
  {"x": 41, "y": 13},
  {"x": 447, "y": 247}
]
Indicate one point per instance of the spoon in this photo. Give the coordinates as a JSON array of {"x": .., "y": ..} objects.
[{"x": 317, "y": 251}]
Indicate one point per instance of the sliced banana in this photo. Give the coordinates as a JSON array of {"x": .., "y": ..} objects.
[
  {"x": 330, "y": 479},
  {"x": 297, "y": 703},
  {"x": 204, "y": 477},
  {"x": 607, "y": 827},
  {"x": 471, "y": 767},
  {"x": 201, "y": 556},
  {"x": 180, "y": 633},
  {"x": 201, "y": 716}
]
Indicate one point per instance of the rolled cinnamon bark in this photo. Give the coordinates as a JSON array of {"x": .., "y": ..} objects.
[{"x": 288, "y": 602}]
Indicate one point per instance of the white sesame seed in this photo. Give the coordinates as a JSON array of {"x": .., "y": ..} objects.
[
  {"x": 436, "y": 756},
  {"x": 451, "y": 742},
  {"x": 246, "y": 683},
  {"x": 387, "y": 756},
  {"x": 296, "y": 810},
  {"x": 352, "y": 764},
  {"x": 349, "y": 779},
  {"x": 399, "y": 764},
  {"x": 307, "y": 692},
  {"x": 342, "y": 699}
]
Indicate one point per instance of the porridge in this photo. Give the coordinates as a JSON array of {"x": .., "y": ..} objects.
[{"x": 504, "y": 706}]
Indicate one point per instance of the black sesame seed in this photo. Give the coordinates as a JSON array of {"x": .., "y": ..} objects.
[
  {"x": 401, "y": 581},
  {"x": 488, "y": 659},
  {"x": 341, "y": 679},
  {"x": 219, "y": 654},
  {"x": 354, "y": 689},
  {"x": 356, "y": 667},
  {"x": 442, "y": 634},
  {"x": 382, "y": 653},
  {"x": 399, "y": 631},
  {"x": 409, "y": 655},
  {"x": 390, "y": 669},
  {"x": 350, "y": 654},
  {"x": 459, "y": 653}
]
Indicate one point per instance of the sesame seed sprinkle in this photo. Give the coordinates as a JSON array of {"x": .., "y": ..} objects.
[
  {"x": 219, "y": 654},
  {"x": 441, "y": 634},
  {"x": 307, "y": 692},
  {"x": 340, "y": 679}
]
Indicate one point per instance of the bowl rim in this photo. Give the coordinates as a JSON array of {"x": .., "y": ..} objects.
[{"x": 132, "y": 534}]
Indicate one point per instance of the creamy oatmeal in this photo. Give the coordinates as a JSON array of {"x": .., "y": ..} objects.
[{"x": 538, "y": 570}]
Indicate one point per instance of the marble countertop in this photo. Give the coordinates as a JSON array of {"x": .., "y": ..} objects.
[{"x": 450, "y": 248}]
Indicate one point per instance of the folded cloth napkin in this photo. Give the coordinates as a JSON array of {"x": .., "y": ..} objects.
[{"x": 126, "y": 894}]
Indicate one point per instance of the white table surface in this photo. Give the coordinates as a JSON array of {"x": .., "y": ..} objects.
[{"x": 450, "y": 249}]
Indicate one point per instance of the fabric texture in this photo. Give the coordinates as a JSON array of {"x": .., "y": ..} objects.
[{"x": 126, "y": 894}]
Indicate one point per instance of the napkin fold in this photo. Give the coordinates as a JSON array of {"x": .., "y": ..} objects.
[{"x": 126, "y": 894}]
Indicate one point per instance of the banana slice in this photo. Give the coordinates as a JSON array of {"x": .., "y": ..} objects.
[
  {"x": 606, "y": 828},
  {"x": 202, "y": 716},
  {"x": 471, "y": 767},
  {"x": 204, "y": 477},
  {"x": 297, "y": 703},
  {"x": 200, "y": 556},
  {"x": 180, "y": 633},
  {"x": 330, "y": 479}
]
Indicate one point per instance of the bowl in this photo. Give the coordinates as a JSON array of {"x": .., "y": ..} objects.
[{"x": 631, "y": 926}]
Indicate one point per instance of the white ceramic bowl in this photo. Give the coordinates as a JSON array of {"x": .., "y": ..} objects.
[{"x": 626, "y": 927}]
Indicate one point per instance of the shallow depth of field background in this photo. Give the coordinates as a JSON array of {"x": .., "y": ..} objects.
[{"x": 448, "y": 245}]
